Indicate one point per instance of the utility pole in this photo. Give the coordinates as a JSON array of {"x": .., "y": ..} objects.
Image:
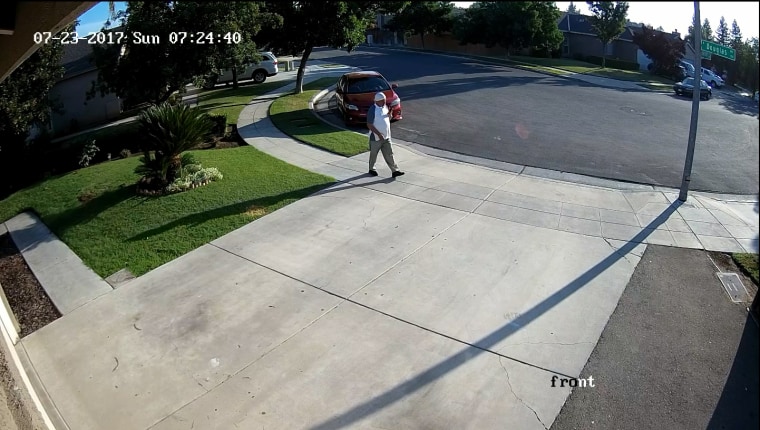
[{"x": 696, "y": 94}]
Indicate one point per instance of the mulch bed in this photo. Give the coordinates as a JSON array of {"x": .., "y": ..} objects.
[{"x": 28, "y": 300}]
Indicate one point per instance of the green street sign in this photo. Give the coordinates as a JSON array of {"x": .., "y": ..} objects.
[
  {"x": 706, "y": 55},
  {"x": 719, "y": 50}
]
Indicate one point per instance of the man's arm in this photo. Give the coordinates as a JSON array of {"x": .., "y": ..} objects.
[{"x": 370, "y": 122}]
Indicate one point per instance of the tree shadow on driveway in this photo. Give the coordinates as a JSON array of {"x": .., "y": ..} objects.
[{"x": 737, "y": 407}]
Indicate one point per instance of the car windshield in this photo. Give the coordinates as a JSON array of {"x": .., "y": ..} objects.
[{"x": 370, "y": 84}]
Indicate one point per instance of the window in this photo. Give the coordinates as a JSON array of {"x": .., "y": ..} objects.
[
  {"x": 609, "y": 49},
  {"x": 370, "y": 84},
  {"x": 566, "y": 46}
]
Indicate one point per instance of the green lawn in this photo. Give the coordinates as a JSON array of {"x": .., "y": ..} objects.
[
  {"x": 575, "y": 66},
  {"x": 223, "y": 100},
  {"x": 749, "y": 265},
  {"x": 292, "y": 115},
  {"x": 231, "y": 102},
  {"x": 96, "y": 213}
]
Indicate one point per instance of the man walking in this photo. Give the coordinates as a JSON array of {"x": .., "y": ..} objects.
[{"x": 379, "y": 123}]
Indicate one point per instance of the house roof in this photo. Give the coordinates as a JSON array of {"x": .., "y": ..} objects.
[
  {"x": 76, "y": 59},
  {"x": 581, "y": 24}
]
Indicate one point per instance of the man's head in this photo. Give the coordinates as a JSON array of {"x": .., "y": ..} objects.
[{"x": 380, "y": 99}]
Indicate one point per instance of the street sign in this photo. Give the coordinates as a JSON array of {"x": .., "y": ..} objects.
[
  {"x": 706, "y": 55},
  {"x": 719, "y": 50}
]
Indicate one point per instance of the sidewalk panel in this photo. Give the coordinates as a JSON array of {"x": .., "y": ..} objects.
[
  {"x": 132, "y": 357},
  {"x": 549, "y": 292},
  {"x": 357, "y": 369},
  {"x": 339, "y": 240}
]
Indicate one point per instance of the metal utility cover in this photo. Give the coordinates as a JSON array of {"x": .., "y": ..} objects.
[{"x": 733, "y": 286}]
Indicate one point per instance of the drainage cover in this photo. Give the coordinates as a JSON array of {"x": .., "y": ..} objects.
[{"x": 733, "y": 286}]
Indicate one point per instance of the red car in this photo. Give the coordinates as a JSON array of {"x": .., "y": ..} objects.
[{"x": 355, "y": 93}]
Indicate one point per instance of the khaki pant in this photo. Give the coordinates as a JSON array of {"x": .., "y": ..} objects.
[{"x": 385, "y": 146}]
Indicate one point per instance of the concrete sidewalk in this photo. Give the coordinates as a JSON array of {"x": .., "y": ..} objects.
[{"x": 447, "y": 298}]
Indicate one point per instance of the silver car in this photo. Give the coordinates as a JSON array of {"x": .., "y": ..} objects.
[{"x": 258, "y": 72}]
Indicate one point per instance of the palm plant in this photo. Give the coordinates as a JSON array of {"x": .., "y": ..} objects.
[{"x": 169, "y": 130}]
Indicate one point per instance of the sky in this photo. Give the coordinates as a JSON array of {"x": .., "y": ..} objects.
[
  {"x": 670, "y": 15},
  {"x": 93, "y": 19}
]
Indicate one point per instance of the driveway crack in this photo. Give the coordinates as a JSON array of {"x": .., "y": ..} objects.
[
  {"x": 509, "y": 383},
  {"x": 617, "y": 251}
]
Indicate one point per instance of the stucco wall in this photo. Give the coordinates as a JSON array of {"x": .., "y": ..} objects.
[{"x": 72, "y": 94}]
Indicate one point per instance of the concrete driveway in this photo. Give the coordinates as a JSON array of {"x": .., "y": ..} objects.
[{"x": 446, "y": 299}]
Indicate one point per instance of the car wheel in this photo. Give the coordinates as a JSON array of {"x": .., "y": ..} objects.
[{"x": 259, "y": 76}]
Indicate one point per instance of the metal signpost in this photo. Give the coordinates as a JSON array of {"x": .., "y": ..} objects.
[
  {"x": 696, "y": 93},
  {"x": 708, "y": 48}
]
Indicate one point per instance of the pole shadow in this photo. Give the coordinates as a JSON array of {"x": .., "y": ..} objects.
[{"x": 421, "y": 380}]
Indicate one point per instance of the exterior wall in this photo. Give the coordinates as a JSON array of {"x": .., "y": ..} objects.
[
  {"x": 78, "y": 112},
  {"x": 643, "y": 60},
  {"x": 627, "y": 51},
  {"x": 581, "y": 44}
]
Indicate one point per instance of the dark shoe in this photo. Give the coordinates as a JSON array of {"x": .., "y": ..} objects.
[
  {"x": 373, "y": 172},
  {"x": 397, "y": 173}
]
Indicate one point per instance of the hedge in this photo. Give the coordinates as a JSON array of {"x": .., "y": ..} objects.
[{"x": 614, "y": 63}]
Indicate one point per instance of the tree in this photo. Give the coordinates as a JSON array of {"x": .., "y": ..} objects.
[
  {"x": 572, "y": 8},
  {"x": 423, "y": 18},
  {"x": 143, "y": 72},
  {"x": 511, "y": 25},
  {"x": 245, "y": 19},
  {"x": 747, "y": 64},
  {"x": 608, "y": 20},
  {"x": 722, "y": 36},
  {"x": 24, "y": 103},
  {"x": 306, "y": 24},
  {"x": 736, "y": 35},
  {"x": 546, "y": 35},
  {"x": 707, "y": 33},
  {"x": 736, "y": 43},
  {"x": 662, "y": 49},
  {"x": 140, "y": 70},
  {"x": 660, "y": 28}
]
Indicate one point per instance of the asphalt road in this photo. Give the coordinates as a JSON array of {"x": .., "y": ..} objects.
[
  {"x": 533, "y": 119},
  {"x": 675, "y": 354}
]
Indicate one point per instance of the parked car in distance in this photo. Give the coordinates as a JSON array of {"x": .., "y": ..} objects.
[
  {"x": 686, "y": 88},
  {"x": 688, "y": 67},
  {"x": 355, "y": 93},
  {"x": 258, "y": 72},
  {"x": 711, "y": 78}
]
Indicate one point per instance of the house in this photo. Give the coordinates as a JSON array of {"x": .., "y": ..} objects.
[
  {"x": 377, "y": 34},
  {"x": 70, "y": 93},
  {"x": 581, "y": 41}
]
